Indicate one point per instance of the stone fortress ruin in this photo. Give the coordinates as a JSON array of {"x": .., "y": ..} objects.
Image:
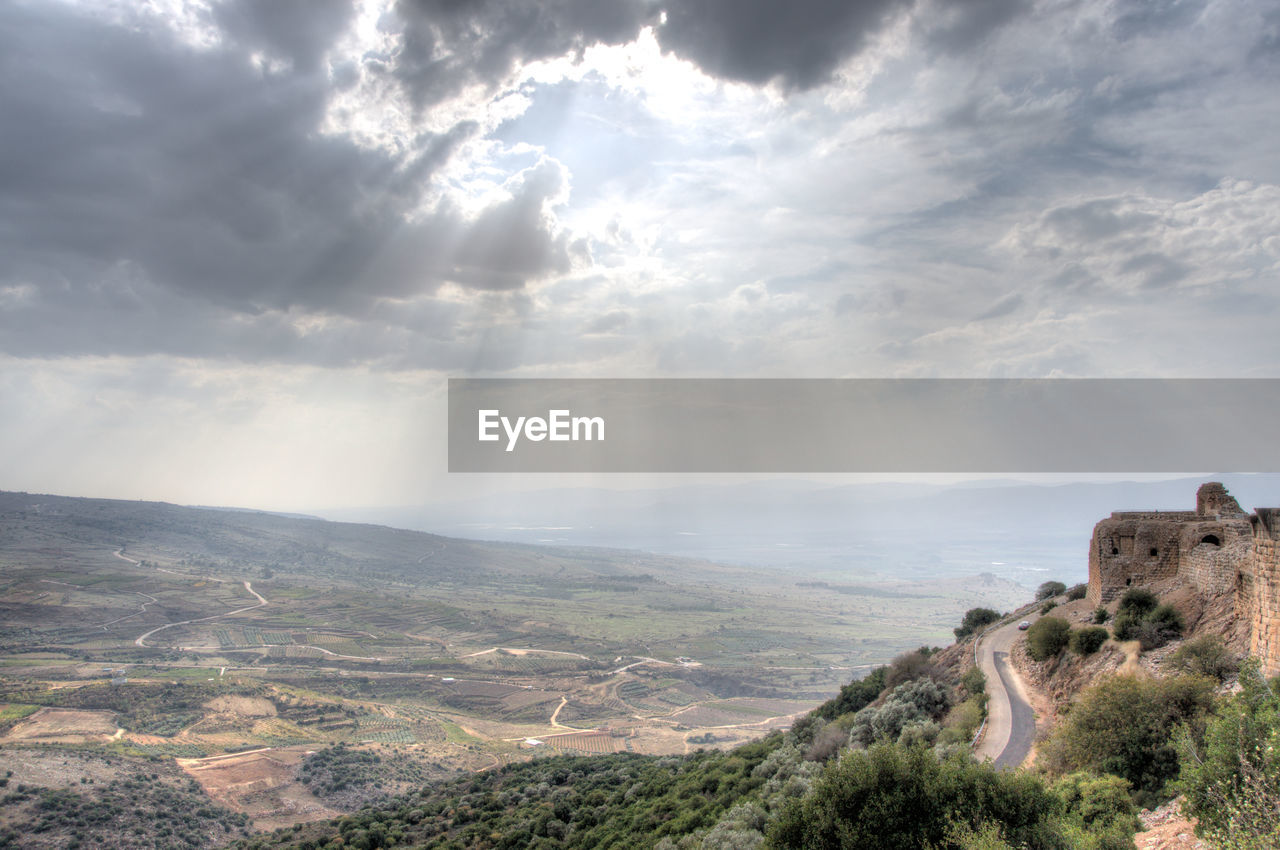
[{"x": 1218, "y": 550}]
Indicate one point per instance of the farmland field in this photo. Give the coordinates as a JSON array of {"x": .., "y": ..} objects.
[{"x": 150, "y": 630}]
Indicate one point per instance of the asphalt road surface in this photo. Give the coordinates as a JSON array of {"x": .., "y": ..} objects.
[{"x": 1011, "y": 724}]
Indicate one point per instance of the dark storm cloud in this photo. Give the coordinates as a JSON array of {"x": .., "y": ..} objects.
[
  {"x": 299, "y": 30},
  {"x": 449, "y": 45},
  {"x": 756, "y": 41},
  {"x": 131, "y": 163}
]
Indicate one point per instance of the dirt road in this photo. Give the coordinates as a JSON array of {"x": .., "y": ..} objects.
[{"x": 142, "y": 638}]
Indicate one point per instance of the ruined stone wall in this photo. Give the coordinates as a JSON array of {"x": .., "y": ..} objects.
[
  {"x": 1212, "y": 499},
  {"x": 1132, "y": 550},
  {"x": 1264, "y": 611},
  {"x": 1218, "y": 549},
  {"x": 1215, "y": 555}
]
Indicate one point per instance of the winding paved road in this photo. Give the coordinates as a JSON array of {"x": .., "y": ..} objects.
[{"x": 1011, "y": 723}]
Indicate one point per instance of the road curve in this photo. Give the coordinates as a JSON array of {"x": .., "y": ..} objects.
[
  {"x": 142, "y": 638},
  {"x": 1011, "y": 723}
]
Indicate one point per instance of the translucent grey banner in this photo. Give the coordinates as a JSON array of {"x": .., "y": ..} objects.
[{"x": 943, "y": 425}]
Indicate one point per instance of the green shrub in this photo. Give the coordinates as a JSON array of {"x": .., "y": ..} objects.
[
  {"x": 909, "y": 666},
  {"x": 1048, "y": 606},
  {"x": 905, "y": 798},
  {"x": 1125, "y": 625},
  {"x": 973, "y": 681},
  {"x": 1124, "y": 726},
  {"x": 1162, "y": 625},
  {"x": 962, "y": 722},
  {"x": 1050, "y": 589},
  {"x": 1098, "y": 800},
  {"x": 1138, "y": 601},
  {"x": 1204, "y": 656},
  {"x": 1100, "y": 614},
  {"x": 914, "y": 703},
  {"x": 1047, "y": 637},
  {"x": 1088, "y": 640},
  {"x": 854, "y": 696},
  {"x": 1079, "y": 591},
  {"x": 1141, "y": 617},
  {"x": 1231, "y": 780},
  {"x": 974, "y": 620}
]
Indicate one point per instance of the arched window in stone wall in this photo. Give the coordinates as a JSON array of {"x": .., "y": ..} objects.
[{"x": 1211, "y": 539}]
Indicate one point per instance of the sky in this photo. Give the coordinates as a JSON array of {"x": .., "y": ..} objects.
[{"x": 244, "y": 244}]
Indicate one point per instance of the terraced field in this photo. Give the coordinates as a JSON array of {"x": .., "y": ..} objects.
[
  {"x": 156, "y": 618},
  {"x": 586, "y": 742}
]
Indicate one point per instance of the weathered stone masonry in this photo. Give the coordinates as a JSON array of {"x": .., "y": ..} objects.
[{"x": 1217, "y": 549}]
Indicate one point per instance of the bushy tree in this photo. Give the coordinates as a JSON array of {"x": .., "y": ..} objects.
[
  {"x": 908, "y": 666},
  {"x": 1231, "y": 780},
  {"x": 1204, "y": 656},
  {"x": 1151, "y": 625},
  {"x": 1098, "y": 800},
  {"x": 1050, "y": 589},
  {"x": 974, "y": 681},
  {"x": 1047, "y": 637},
  {"x": 1078, "y": 591},
  {"x": 1162, "y": 625},
  {"x": 1088, "y": 640},
  {"x": 911, "y": 704},
  {"x": 1124, "y": 726},
  {"x": 905, "y": 798},
  {"x": 854, "y": 696},
  {"x": 974, "y": 620},
  {"x": 1137, "y": 601}
]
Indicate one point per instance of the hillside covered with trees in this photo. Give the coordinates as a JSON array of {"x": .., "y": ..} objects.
[{"x": 886, "y": 763}]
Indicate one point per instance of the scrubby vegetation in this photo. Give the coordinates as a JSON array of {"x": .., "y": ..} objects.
[
  {"x": 854, "y": 696},
  {"x": 1078, "y": 591},
  {"x": 1047, "y": 637},
  {"x": 348, "y": 778},
  {"x": 885, "y": 763},
  {"x": 1232, "y": 779},
  {"x": 1088, "y": 640},
  {"x": 156, "y": 709},
  {"x": 1124, "y": 726},
  {"x": 903, "y": 798},
  {"x": 910, "y": 712},
  {"x": 1050, "y": 589},
  {"x": 1141, "y": 617},
  {"x": 975, "y": 619},
  {"x": 1204, "y": 656},
  {"x": 141, "y": 811}
]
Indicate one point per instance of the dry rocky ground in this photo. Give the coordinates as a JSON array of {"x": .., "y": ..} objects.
[{"x": 1055, "y": 683}]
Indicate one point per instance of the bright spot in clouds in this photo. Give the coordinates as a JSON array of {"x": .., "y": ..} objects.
[{"x": 244, "y": 243}]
